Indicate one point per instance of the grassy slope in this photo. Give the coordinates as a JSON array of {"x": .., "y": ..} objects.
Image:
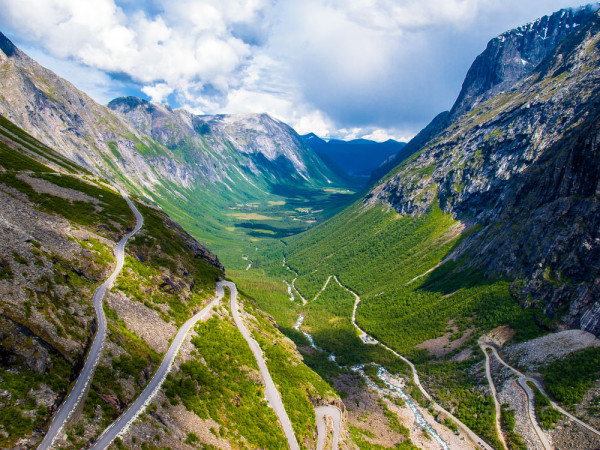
[
  {"x": 79, "y": 275},
  {"x": 158, "y": 244},
  {"x": 379, "y": 255}
]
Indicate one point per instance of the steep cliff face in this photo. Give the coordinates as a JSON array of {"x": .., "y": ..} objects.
[
  {"x": 522, "y": 170},
  {"x": 515, "y": 54}
]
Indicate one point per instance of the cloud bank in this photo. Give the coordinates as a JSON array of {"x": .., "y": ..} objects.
[{"x": 339, "y": 68}]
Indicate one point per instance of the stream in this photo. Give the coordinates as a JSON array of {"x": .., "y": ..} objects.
[{"x": 393, "y": 389}]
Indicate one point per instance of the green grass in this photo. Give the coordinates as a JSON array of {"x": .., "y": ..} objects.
[
  {"x": 222, "y": 379},
  {"x": 546, "y": 414},
  {"x": 113, "y": 206},
  {"x": 569, "y": 379},
  {"x": 453, "y": 385},
  {"x": 294, "y": 380},
  {"x": 407, "y": 297},
  {"x": 514, "y": 439},
  {"x": 328, "y": 320},
  {"x": 377, "y": 254}
]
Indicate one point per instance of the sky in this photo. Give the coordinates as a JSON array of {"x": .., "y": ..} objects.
[{"x": 346, "y": 69}]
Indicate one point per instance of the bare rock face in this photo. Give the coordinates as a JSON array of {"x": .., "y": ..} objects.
[
  {"x": 523, "y": 167},
  {"x": 262, "y": 147},
  {"x": 515, "y": 54}
]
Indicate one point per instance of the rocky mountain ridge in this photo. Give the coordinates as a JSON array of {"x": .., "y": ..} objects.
[
  {"x": 508, "y": 59},
  {"x": 132, "y": 145},
  {"x": 521, "y": 170},
  {"x": 213, "y": 144},
  {"x": 515, "y": 54}
]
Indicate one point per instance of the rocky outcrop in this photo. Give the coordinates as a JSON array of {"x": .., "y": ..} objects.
[
  {"x": 522, "y": 169},
  {"x": 262, "y": 147},
  {"x": 514, "y": 55}
]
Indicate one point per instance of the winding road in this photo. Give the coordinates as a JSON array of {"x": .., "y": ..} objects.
[
  {"x": 476, "y": 440},
  {"x": 531, "y": 413},
  {"x": 522, "y": 380},
  {"x": 336, "y": 416},
  {"x": 488, "y": 374},
  {"x": 273, "y": 397},
  {"x": 121, "y": 425},
  {"x": 78, "y": 392}
]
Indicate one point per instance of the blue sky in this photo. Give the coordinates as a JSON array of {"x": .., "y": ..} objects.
[{"x": 339, "y": 68}]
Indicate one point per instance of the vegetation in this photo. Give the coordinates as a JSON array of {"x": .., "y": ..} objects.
[
  {"x": 514, "y": 439},
  {"x": 223, "y": 378},
  {"x": 546, "y": 414},
  {"x": 163, "y": 270},
  {"x": 20, "y": 411},
  {"x": 359, "y": 437},
  {"x": 113, "y": 208},
  {"x": 385, "y": 259},
  {"x": 569, "y": 379},
  {"x": 296, "y": 383},
  {"x": 454, "y": 385}
]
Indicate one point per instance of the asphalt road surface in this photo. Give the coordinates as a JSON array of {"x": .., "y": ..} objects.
[
  {"x": 122, "y": 423},
  {"x": 336, "y": 416},
  {"x": 271, "y": 392},
  {"x": 79, "y": 389}
]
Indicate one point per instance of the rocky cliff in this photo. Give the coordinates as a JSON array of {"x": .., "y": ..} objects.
[
  {"x": 255, "y": 143},
  {"x": 522, "y": 171},
  {"x": 515, "y": 54}
]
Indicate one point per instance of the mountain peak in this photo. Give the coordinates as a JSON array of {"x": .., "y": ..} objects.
[
  {"x": 7, "y": 46},
  {"x": 513, "y": 55}
]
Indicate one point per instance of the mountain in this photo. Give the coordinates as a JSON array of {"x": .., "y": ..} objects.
[
  {"x": 60, "y": 226},
  {"x": 508, "y": 59},
  {"x": 489, "y": 231},
  {"x": 358, "y": 157},
  {"x": 255, "y": 143},
  {"x": 514, "y": 55},
  {"x": 213, "y": 174},
  {"x": 518, "y": 177},
  {"x": 523, "y": 167}
]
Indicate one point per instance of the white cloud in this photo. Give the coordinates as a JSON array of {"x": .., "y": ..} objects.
[
  {"x": 158, "y": 92},
  {"x": 382, "y": 136},
  {"x": 409, "y": 14},
  {"x": 340, "y": 68},
  {"x": 190, "y": 43}
]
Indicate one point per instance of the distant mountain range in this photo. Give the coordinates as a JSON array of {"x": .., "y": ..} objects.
[
  {"x": 358, "y": 157},
  {"x": 182, "y": 161}
]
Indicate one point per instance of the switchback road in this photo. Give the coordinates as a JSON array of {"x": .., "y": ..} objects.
[
  {"x": 271, "y": 392},
  {"x": 336, "y": 417},
  {"x": 525, "y": 378},
  {"x": 85, "y": 376},
  {"x": 122, "y": 423}
]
